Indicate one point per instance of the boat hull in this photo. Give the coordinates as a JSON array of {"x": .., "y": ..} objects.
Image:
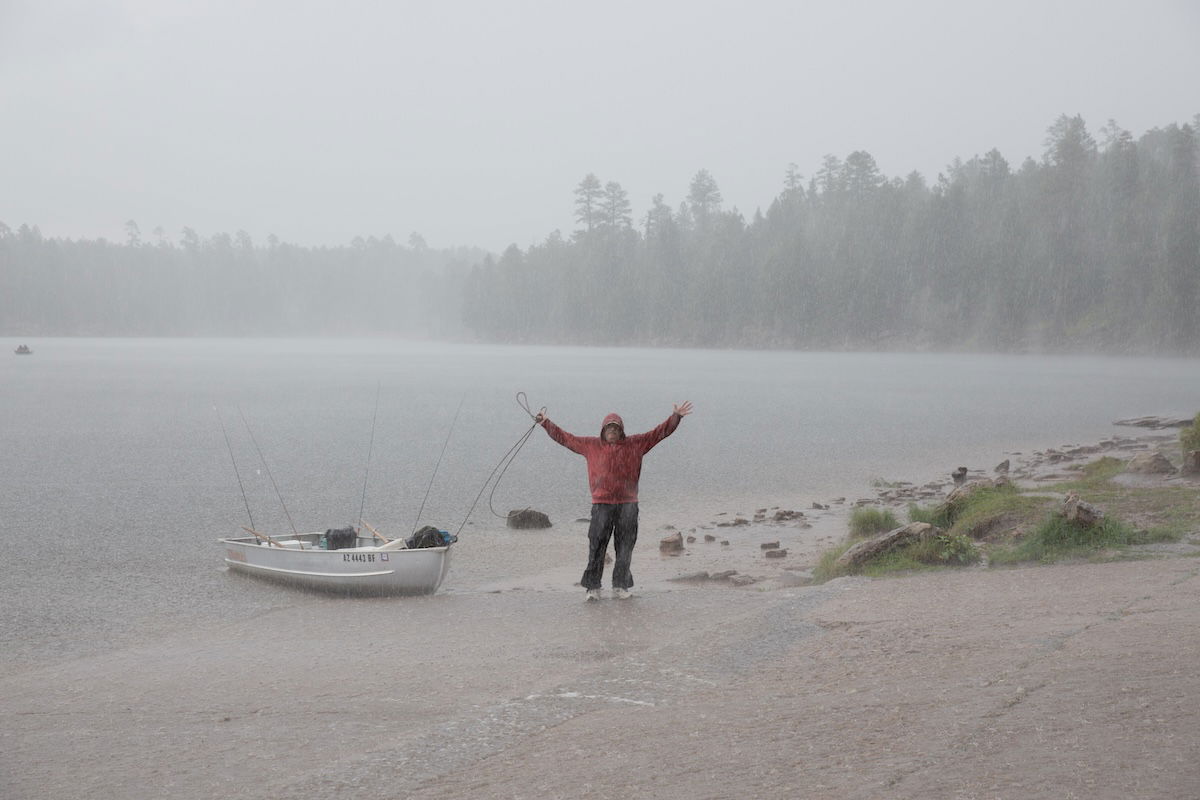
[{"x": 357, "y": 570}]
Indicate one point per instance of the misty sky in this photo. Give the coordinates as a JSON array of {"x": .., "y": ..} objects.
[{"x": 472, "y": 122}]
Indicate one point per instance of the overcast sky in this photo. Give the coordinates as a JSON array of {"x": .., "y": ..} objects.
[{"x": 471, "y": 122}]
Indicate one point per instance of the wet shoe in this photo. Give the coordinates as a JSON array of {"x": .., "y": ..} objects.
[
  {"x": 622, "y": 594},
  {"x": 592, "y": 595}
]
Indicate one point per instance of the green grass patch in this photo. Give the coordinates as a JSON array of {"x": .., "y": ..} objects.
[
  {"x": 825, "y": 570},
  {"x": 1056, "y": 538},
  {"x": 967, "y": 513},
  {"x": 950, "y": 548},
  {"x": 939, "y": 551},
  {"x": 1189, "y": 437},
  {"x": 1017, "y": 526},
  {"x": 918, "y": 513},
  {"x": 1166, "y": 513},
  {"x": 898, "y": 561},
  {"x": 955, "y": 509},
  {"x": 944, "y": 550},
  {"x": 1095, "y": 476},
  {"x": 870, "y": 521},
  {"x": 988, "y": 512}
]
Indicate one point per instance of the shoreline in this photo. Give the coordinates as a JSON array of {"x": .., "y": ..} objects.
[{"x": 806, "y": 532}]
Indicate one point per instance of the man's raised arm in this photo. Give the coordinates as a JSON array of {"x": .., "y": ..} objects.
[
  {"x": 568, "y": 440},
  {"x": 647, "y": 440}
]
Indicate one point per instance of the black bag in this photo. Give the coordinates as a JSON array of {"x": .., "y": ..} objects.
[
  {"x": 428, "y": 536},
  {"x": 340, "y": 538}
]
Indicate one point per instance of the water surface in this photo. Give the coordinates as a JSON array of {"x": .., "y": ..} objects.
[{"x": 116, "y": 481}]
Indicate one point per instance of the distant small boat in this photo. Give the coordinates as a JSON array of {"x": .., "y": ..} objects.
[
  {"x": 350, "y": 564},
  {"x": 23, "y": 350}
]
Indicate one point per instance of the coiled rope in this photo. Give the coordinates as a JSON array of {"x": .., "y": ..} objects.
[{"x": 505, "y": 461}]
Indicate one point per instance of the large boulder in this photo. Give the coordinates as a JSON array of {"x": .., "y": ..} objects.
[
  {"x": 1191, "y": 463},
  {"x": 864, "y": 551},
  {"x": 527, "y": 518},
  {"x": 1150, "y": 464},
  {"x": 1086, "y": 514}
]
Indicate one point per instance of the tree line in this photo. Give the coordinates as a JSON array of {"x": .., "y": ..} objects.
[
  {"x": 227, "y": 286},
  {"x": 1095, "y": 247}
]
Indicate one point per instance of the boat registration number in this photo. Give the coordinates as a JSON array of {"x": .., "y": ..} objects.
[{"x": 358, "y": 557}]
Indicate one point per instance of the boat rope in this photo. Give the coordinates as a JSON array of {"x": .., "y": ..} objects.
[
  {"x": 421, "y": 510},
  {"x": 503, "y": 464},
  {"x": 370, "y": 448},
  {"x": 269, "y": 475},
  {"x": 523, "y": 402},
  {"x": 225, "y": 433}
]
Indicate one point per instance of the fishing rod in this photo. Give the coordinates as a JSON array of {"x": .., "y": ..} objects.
[
  {"x": 269, "y": 475},
  {"x": 225, "y": 433},
  {"x": 504, "y": 462},
  {"x": 438, "y": 464},
  {"x": 370, "y": 448}
]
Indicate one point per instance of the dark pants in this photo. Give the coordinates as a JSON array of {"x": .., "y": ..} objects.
[{"x": 619, "y": 521}]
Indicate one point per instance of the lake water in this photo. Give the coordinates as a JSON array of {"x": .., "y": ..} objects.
[{"x": 116, "y": 481}]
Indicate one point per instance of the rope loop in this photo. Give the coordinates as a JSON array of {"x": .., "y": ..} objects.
[
  {"x": 504, "y": 463},
  {"x": 523, "y": 402}
]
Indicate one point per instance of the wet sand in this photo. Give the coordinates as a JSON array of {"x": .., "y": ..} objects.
[
  {"x": 297, "y": 701},
  {"x": 1056, "y": 682},
  {"x": 1063, "y": 681}
]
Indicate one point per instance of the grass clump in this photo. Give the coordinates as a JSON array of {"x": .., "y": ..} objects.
[
  {"x": 928, "y": 514},
  {"x": 1094, "y": 476},
  {"x": 965, "y": 513},
  {"x": 1102, "y": 470},
  {"x": 941, "y": 550},
  {"x": 989, "y": 512},
  {"x": 1166, "y": 513},
  {"x": 1056, "y": 538},
  {"x": 954, "y": 548},
  {"x": 866, "y": 522},
  {"x": 1189, "y": 437},
  {"x": 902, "y": 560},
  {"x": 825, "y": 569}
]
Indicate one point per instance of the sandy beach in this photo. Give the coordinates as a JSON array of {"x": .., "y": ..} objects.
[{"x": 1060, "y": 681}]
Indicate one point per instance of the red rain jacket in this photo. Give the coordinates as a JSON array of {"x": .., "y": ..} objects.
[{"x": 613, "y": 469}]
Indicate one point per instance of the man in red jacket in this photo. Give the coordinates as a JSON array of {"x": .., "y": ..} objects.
[{"x": 614, "y": 465}]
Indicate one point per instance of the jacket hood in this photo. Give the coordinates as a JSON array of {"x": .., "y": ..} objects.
[{"x": 613, "y": 419}]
